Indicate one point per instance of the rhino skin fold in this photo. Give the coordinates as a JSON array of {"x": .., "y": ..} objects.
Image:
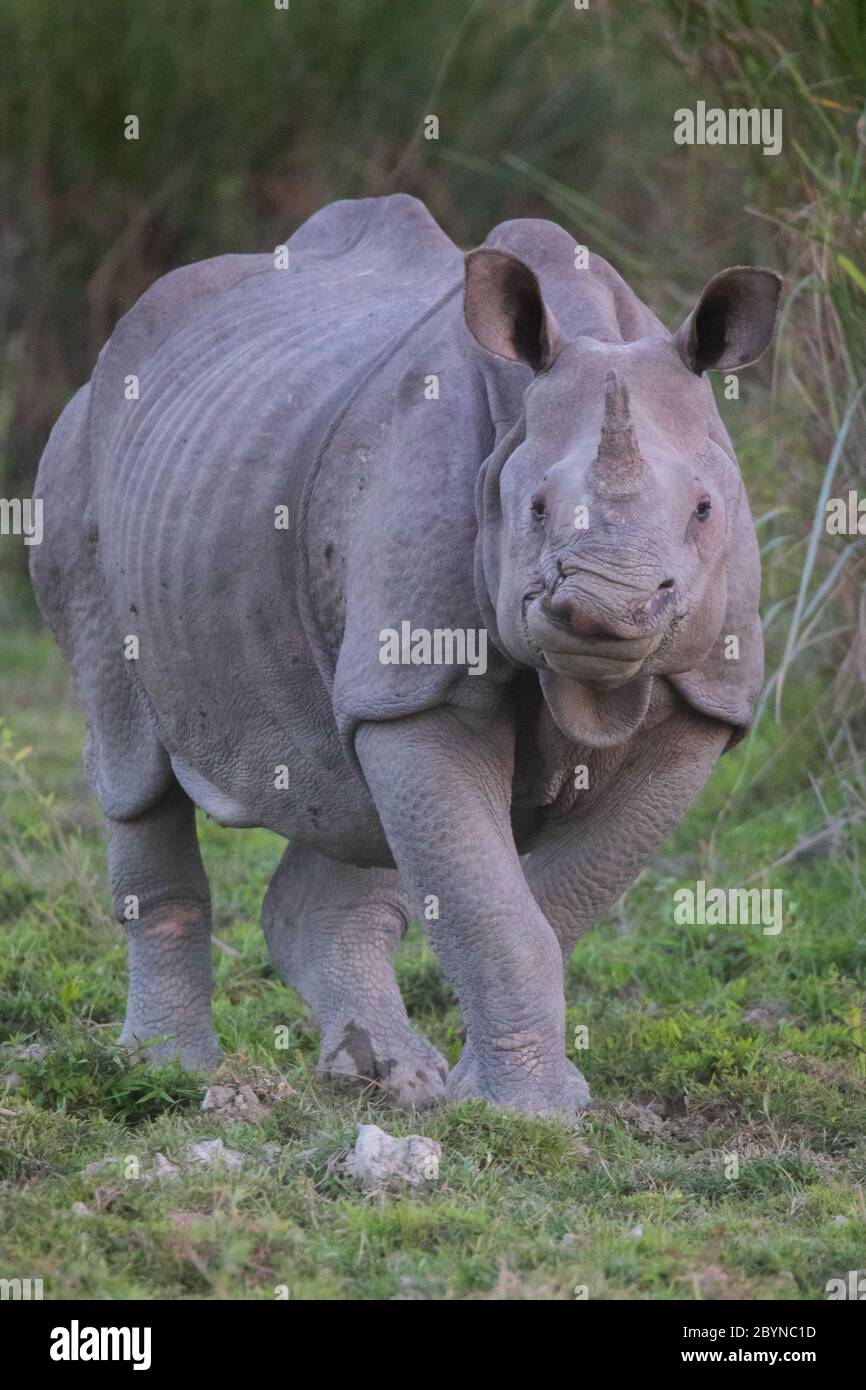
[{"x": 509, "y": 808}]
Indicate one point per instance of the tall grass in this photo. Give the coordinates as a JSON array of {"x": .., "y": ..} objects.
[
  {"x": 251, "y": 118},
  {"x": 808, "y": 58}
]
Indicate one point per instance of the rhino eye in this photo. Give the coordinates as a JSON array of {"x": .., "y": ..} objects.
[
  {"x": 539, "y": 510},
  {"x": 702, "y": 510}
]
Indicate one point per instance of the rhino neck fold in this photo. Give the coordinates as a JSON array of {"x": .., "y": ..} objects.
[
  {"x": 488, "y": 513},
  {"x": 596, "y": 718}
]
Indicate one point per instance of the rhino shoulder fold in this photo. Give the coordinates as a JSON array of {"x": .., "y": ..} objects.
[{"x": 397, "y": 228}]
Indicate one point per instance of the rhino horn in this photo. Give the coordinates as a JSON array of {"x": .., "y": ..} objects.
[{"x": 618, "y": 467}]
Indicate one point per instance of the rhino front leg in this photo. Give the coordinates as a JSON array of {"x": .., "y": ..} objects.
[
  {"x": 332, "y": 930},
  {"x": 441, "y": 782},
  {"x": 579, "y": 866},
  {"x": 156, "y": 871}
]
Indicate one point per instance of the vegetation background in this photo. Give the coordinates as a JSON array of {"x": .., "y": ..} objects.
[{"x": 703, "y": 1044}]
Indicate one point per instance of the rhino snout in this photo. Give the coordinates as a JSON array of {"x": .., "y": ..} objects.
[
  {"x": 582, "y": 643},
  {"x": 570, "y": 608}
]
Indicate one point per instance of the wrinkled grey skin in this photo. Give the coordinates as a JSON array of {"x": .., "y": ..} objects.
[{"x": 259, "y": 646}]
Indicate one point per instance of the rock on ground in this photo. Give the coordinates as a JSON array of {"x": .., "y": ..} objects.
[
  {"x": 379, "y": 1160},
  {"x": 234, "y": 1105},
  {"x": 209, "y": 1151}
]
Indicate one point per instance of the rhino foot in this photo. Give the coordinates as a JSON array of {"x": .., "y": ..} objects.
[
  {"x": 332, "y": 930},
  {"x": 562, "y": 1090},
  {"x": 407, "y": 1068},
  {"x": 150, "y": 1044}
]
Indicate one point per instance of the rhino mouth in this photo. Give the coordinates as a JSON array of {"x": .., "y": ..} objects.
[{"x": 597, "y": 659}]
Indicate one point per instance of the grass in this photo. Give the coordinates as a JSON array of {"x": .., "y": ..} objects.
[{"x": 725, "y": 1156}]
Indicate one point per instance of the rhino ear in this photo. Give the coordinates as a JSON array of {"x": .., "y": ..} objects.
[
  {"x": 732, "y": 321},
  {"x": 505, "y": 310}
]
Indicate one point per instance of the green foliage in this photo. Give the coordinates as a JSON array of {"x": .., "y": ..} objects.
[{"x": 88, "y": 1078}]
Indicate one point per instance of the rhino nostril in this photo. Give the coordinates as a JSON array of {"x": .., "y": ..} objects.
[{"x": 657, "y": 606}]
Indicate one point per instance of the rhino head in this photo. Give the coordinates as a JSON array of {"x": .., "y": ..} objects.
[{"x": 608, "y": 513}]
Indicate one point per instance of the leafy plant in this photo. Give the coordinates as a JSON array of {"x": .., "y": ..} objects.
[{"x": 88, "y": 1078}]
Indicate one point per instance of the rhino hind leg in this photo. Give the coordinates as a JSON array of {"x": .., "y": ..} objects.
[
  {"x": 156, "y": 871},
  {"x": 332, "y": 930},
  {"x": 159, "y": 886}
]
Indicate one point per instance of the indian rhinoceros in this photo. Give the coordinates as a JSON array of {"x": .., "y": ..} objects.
[{"x": 442, "y": 569}]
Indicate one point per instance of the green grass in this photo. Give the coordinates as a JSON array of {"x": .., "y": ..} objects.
[{"x": 704, "y": 1043}]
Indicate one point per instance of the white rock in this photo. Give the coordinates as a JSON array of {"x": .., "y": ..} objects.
[
  {"x": 209, "y": 1151},
  {"x": 379, "y": 1160}
]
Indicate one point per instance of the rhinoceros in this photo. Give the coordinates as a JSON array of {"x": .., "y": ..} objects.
[{"x": 439, "y": 567}]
